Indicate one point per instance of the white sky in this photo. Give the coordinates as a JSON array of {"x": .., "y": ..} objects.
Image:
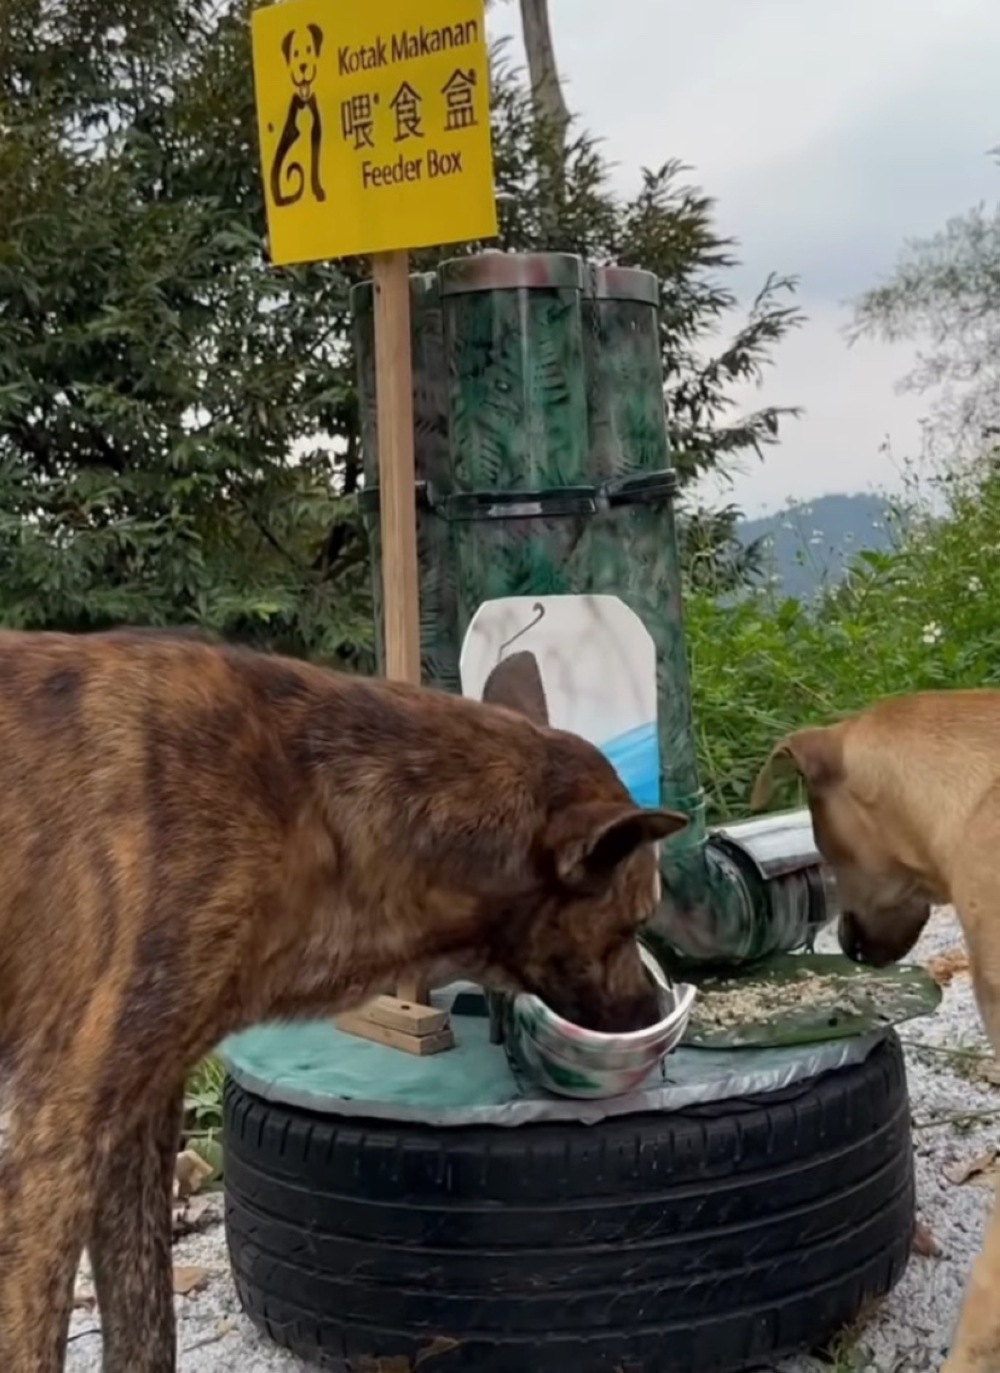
[{"x": 828, "y": 134}]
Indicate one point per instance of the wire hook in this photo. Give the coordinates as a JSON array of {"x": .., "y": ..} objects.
[{"x": 539, "y": 612}]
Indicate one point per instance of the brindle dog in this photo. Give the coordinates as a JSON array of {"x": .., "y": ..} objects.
[{"x": 195, "y": 838}]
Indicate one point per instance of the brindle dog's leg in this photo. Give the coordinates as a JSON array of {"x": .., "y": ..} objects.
[
  {"x": 130, "y": 1246},
  {"x": 46, "y": 1192}
]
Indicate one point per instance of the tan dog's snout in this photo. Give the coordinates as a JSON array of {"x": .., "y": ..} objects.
[
  {"x": 850, "y": 937},
  {"x": 882, "y": 937}
]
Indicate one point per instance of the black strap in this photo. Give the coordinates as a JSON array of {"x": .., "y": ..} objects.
[{"x": 645, "y": 488}]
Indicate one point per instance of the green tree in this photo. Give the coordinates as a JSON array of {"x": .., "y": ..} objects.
[
  {"x": 944, "y": 293},
  {"x": 178, "y": 420},
  {"x": 154, "y": 378}
]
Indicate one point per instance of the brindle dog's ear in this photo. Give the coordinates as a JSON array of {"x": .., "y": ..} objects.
[
  {"x": 286, "y": 45},
  {"x": 588, "y": 841},
  {"x": 516, "y": 682},
  {"x": 814, "y": 754}
]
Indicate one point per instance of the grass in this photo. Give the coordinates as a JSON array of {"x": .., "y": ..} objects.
[
  {"x": 203, "y": 1112},
  {"x": 846, "y": 1352}
]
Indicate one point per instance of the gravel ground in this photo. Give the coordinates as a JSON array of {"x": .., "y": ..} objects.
[{"x": 908, "y": 1333}]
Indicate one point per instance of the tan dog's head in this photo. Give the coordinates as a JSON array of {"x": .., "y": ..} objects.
[
  {"x": 883, "y": 908},
  {"x": 301, "y": 49},
  {"x": 573, "y": 939}
]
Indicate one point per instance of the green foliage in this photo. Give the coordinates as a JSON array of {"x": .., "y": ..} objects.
[
  {"x": 157, "y": 377},
  {"x": 203, "y": 1100},
  {"x": 154, "y": 377},
  {"x": 203, "y": 1111},
  {"x": 921, "y": 614}
]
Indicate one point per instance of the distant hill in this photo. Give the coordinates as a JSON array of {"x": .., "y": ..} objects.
[{"x": 808, "y": 545}]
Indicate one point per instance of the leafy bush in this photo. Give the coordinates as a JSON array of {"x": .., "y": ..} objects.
[{"x": 922, "y": 615}]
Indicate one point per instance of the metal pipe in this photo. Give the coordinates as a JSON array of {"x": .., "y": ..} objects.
[{"x": 768, "y": 891}]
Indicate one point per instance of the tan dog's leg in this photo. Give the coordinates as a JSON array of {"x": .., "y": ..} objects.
[
  {"x": 45, "y": 1199},
  {"x": 976, "y": 1342},
  {"x": 130, "y": 1246}
]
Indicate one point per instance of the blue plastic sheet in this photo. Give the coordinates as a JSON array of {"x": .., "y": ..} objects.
[{"x": 635, "y": 756}]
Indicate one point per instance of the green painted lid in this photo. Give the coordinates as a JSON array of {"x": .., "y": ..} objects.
[
  {"x": 623, "y": 283},
  {"x": 495, "y": 271},
  {"x": 422, "y": 285}
]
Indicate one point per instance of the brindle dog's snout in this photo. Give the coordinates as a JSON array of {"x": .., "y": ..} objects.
[
  {"x": 593, "y": 1009},
  {"x": 623, "y": 1014},
  {"x": 636, "y": 1014}
]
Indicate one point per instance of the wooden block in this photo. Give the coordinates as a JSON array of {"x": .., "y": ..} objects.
[
  {"x": 414, "y": 992},
  {"x": 354, "y": 1024},
  {"x": 402, "y": 1015}
]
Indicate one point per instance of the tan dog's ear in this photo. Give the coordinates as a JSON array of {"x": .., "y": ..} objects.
[
  {"x": 516, "y": 682},
  {"x": 815, "y": 754},
  {"x": 589, "y": 840}
]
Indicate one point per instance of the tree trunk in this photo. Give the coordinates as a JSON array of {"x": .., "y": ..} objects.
[{"x": 542, "y": 70}]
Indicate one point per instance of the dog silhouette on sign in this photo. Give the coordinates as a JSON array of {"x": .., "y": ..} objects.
[{"x": 301, "y": 49}]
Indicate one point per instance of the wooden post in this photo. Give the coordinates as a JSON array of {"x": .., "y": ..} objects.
[
  {"x": 397, "y": 505},
  {"x": 405, "y": 1021}
]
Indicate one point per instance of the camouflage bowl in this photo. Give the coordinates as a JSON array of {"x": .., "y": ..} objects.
[{"x": 570, "y": 1061}]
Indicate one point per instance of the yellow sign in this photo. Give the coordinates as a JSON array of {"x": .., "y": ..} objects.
[{"x": 374, "y": 125}]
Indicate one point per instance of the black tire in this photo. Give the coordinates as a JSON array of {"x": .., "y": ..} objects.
[{"x": 714, "y": 1239}]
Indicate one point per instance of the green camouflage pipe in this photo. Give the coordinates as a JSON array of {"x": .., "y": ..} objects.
[{"x": 542, "y": 440}]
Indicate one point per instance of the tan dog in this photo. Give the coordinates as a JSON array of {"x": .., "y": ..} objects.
[
  {"x": 905, "y": 802},
  {"x": 196, "y": 838}
]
